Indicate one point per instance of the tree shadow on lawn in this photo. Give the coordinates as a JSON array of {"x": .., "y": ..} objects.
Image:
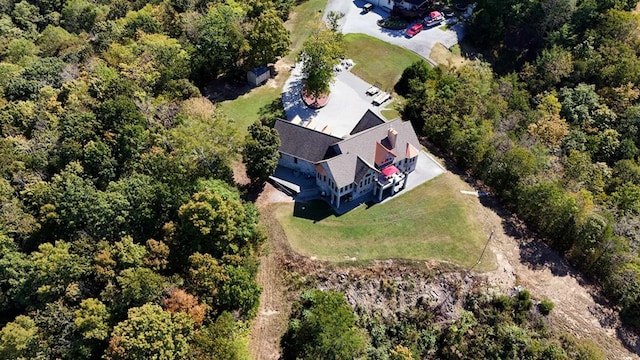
[
  {"x": 534, "y": 252},
  {"x": 226, "y": 88},
  {"x": 316, "y": 210},
  {"x": 272, "y": 111}
]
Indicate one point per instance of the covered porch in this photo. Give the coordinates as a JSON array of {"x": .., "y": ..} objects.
[{"x": 391, "y": 179}]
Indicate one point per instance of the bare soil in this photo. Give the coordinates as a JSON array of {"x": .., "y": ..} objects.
[
  {"x": 275, "y": 299},
  {"x": 525, "y": 260}
]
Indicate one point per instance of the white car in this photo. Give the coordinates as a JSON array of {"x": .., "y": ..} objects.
[
  {"x": 372, "y": 91},
  {"x": 434, "y": 18},
  {"x": 381, "y": 98}
]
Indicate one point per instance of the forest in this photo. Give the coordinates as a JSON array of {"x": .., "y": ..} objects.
[
  {"x": 122, "y": 234},
  {"x": 550, "y": 122}
]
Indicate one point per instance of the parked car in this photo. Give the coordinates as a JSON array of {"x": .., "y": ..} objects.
[
  {"x": 434, "y": 18},
  {"x": 367, "y": 7},
  {"x": 414, "y": 30},
  {"x": 448, "y": 12},
  {"x": 381, "y": 98},
  {"x": 372, "y": 90}
]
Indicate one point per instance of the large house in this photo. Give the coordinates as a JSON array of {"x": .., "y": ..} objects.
[
  {"x": 411, "y": 8},
  {"x": 375, "y": 158}
]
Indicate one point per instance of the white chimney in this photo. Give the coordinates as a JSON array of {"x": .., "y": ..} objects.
[{"x": 392, "y": 135}]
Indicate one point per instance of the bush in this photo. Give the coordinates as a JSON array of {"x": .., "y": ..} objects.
[
  {"x": 392, "y": 23},
  {"x": 545, "y": 306}
]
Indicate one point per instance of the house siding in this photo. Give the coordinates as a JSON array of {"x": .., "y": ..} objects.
[
  {"x": 297, "y": 164},
  {"x": 385, "y": 4},
  {"x": 407, "y": 165}
]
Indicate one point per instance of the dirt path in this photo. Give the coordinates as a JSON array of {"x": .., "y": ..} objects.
[
  {"x": 525, "y": 260},
  {"x": 273, "y": 312}
]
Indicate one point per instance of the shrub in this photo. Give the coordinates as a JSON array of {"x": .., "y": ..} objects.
[{"x": 545, "y": 306}]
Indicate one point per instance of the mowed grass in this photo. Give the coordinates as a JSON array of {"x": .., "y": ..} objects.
[
  {"x": 245, "y": 110},
  {"x": 390, "y": 113},
  {"x": 434, "y": 221},
  {"x": 378, "y": 61},
  {"x": 304, "y": 18}
]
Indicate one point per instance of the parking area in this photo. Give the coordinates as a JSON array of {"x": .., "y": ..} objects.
[
  {"x": 347, "y": 103},
  {"x": 357, "y": 21}
]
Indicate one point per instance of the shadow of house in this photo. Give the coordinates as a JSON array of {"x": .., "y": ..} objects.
[{"x": 315, "y": 210}]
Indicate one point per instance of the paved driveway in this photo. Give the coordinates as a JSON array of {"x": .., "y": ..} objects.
[
  {"x": 347, "y": 103},
  {"x": 355, "y": 21}
]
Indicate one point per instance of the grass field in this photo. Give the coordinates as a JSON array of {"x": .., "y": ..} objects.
[
  {"x": 390, "y": 113},
  {"x": 245, "y": 110},
  {"x": 433, "y": 221},
  {"x": 378, "y": 61},
  {"x": 304, "y": 18}
]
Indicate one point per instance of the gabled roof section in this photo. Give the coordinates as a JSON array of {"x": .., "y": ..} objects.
[
  {"x": 341, "y": 168},
  {"x": 381, "y": 154},
  {"x": 411, "y": 151},
  {"x": 368, "y": 120},
  {"x": 363, "y": 144},
  {"x": 362, "y": 168},
  {"x": 304, "y": 143}
]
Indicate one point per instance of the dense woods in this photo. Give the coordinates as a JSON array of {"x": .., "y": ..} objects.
[
  {"x": 122, "y": 235},
  {"x": 554, "y": 130},
  {"x": 121, "y": 228}
]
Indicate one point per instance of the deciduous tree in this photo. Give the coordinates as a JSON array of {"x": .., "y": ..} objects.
[
  {"x": 323, "y": 328},
  {"x": 268, "y": 39},
  {"x": 151, "y": 333},
  {"x": 319, "y": 54},
  {"x": 260, "y": 153}
]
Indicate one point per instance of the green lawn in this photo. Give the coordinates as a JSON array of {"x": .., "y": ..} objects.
[
  {"x": 433, "y": 221},
  {"x": 304, "y": 18},
  {"x": 245, "y": 110},
  {"x": 390, "y": 113},
  {"x": 378, "y": 61}
]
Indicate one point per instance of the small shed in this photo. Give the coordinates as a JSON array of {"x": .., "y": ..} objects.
[{"x": 258, "y": 76}]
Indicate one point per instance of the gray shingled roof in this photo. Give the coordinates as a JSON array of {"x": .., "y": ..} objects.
[
  {"x": 341, "y": 168},
  {"x": 368, "y": 120},
  {"x": 304, "y": 143},
  {"x": 363, "y": 143},
  {"x": 355, "y": 155}
]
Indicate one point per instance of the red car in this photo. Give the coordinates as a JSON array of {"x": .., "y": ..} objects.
[{"x": 414, "y": 30}]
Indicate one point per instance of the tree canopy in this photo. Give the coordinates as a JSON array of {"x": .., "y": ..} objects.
[
  {"x": 319, "y": 54},
  {"x": 122, "y": 231}
]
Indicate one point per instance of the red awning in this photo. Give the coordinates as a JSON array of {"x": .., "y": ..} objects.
[
  {"x": 390, "y": 170},
  {"x": 434, "y": 14}
]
